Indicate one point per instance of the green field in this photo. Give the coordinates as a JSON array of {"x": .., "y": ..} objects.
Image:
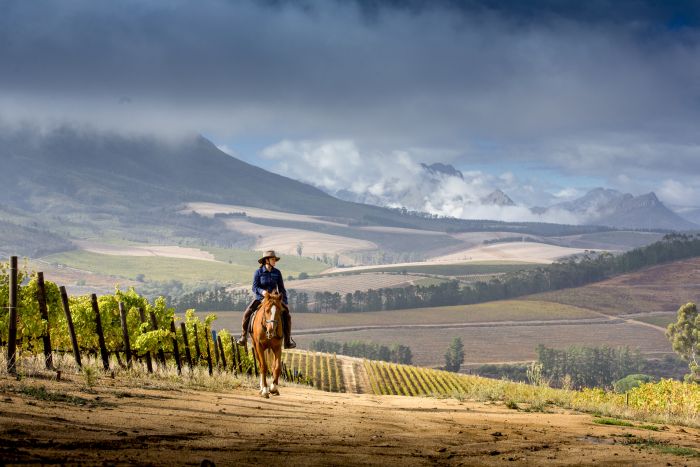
[
  {"x": 658, "y": 320},
  {"x": 465, "y": 269},
  {"x": 154, "y": 268},
  {"x": 288, "y": 264},
  {"x": 235, "y": 266}
]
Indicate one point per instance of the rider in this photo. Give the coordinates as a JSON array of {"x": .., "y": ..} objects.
[{"x": 266, "y": 279}]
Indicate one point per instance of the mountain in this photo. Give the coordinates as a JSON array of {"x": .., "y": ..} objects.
[
  {"x": 692, "y": 215},
  {"x": 67, "y": 168},
  {"x": 85, "y": 184},
  {"x": 612, "y": 208},
  {"x": 497, "y": 198},
  {"x": 442, "y": 169}
]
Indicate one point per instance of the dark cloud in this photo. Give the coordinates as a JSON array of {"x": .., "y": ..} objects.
[{"x": 574, "y": 85}]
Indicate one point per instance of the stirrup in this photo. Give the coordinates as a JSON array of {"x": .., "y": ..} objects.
[
  {"x": 243, "y": 340},
  {"x": 291, "y": 344}
]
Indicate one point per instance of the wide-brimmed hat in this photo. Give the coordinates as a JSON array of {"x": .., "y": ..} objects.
[{"x": 268, "y": 254}]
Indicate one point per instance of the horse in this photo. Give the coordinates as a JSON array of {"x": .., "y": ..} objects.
[{"x": 267, "y": 334}]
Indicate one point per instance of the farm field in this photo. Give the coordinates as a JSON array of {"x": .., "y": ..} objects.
[
  {"x": 351, "y": 283},
  {"x": 510, "y": 310},
  {"x": 153, "y": 268},
  {"x": 530, "y": 252},
  {"x": 439, "y": 268},
  {"x": 505, "y": 343},
  {"x": 659, "y": 288},
  {"x": 160, "y": 263}
]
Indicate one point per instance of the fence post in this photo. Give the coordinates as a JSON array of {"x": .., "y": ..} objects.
[
  {"x": 41, "y": 298},
  {"x": 125, "y": 334},
  {"x": 206, "y": 338},
  {"x": 236, "y": 364},
  {"x": 161, "y": 354},
  {"x": 216, "y": 349},
  {"x": 71, "y": 328},
  {"x": 149, "y": 362},
  {"x": 197, "y": 350},
  {"x": 255, "y": 360},
  {"x": 176, "y": 350},
  {"x": 188, "y": 355},
  {"x": 221, "y": 351},
  {"x": 12, "y": 332},
  {"x": 100, "y": 333}
]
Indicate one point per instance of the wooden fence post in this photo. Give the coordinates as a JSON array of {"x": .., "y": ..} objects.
[
  {"x": 161, "y": 354},
  {"x": 125, "y": 334},
  {"x": 100, "y": 333},
  {"x": 206, "y": 338},
  {"x": 197, "y": 350},
  {"x": 149, "y": 362},
  {"x": 176, "y": 350},
  {"x": 255, "y": 360},
  {"x": 71, "y": 328},
  {"x": 188, "y": 355},
  {"x": 12, "y": 332},
  {"x": 221, "y": 351},
  {"x": 216, "y": 348},
  {"x": 41, "y": 298},
  {"x": 236, "y": 364}
]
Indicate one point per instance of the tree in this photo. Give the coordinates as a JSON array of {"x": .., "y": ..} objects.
[
  {"x": 300, "y": 248},
  {"x": 684, "y": 335},
  {"x": 455, "y": 355}
]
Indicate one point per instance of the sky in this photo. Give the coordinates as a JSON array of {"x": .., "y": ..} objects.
[{"x": 543, "y": 99}]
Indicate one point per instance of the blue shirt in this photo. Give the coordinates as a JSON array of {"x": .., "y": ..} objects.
[{"x": 268, "y": 280}]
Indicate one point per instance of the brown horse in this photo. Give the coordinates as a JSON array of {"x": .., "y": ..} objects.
[{"x": 267, "y": 334}]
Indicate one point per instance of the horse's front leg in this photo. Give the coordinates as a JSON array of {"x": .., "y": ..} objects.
[
  {"x": 276, "y": 370},
  {"x": 262, "y": 364}
]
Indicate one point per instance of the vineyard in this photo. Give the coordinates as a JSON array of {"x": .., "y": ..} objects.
[
  {"x": 39, "y": 318},
  {"x": 664, "y": 401},
  {"x": 320, "y": 370}
]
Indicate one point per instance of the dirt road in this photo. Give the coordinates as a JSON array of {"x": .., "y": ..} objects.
[{"x": 119, "y": 424}]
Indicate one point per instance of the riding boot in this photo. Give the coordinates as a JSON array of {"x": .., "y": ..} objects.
[
  {"x": 243, "y": 340},
  {"x": 287, "y": 325},
  {"x": 246, "y": 321}
]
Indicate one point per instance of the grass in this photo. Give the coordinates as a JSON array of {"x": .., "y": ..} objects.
[
  {"x": 41, "y": 393},
  {"x": 160, "y": 268},
  {"x": 657, "y": 320},
  {"x": 612, "y": 421},
  {"x": 663, "y": 446}
]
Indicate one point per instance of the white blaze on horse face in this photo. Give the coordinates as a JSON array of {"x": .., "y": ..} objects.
[{"x": 271, "y": 326}]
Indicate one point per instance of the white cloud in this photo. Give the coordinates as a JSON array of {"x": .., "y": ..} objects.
[
  {"x": 679, "y": 194},
  {"x": 397, "y": 179}
]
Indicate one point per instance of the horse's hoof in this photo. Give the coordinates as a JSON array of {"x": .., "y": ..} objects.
[{"x": 275, "y": 392}]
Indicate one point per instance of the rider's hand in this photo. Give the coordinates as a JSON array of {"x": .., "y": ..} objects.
[{"x": 264, "y": 293}]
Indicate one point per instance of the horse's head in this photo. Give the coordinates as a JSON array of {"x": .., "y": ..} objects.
[{"x": 272, "y": 309}]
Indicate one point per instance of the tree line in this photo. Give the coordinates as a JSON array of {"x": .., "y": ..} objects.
[
  {"x": 396, "y": 353},
  {"x": 588, "y": 366},
  {"x": 571, "y": 273}
]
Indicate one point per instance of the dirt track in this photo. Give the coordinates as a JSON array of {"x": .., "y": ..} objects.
[{"x": 306, "y": 427}]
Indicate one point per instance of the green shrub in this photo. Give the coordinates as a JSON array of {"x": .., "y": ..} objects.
[{"x": 623, "y": 385}]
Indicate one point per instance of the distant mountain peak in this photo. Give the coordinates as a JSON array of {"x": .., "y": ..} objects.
[
  {"x": 613, "y": 208},
  {"x": 444, "y": 169},
  {"x": 497, "y": 198}
]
